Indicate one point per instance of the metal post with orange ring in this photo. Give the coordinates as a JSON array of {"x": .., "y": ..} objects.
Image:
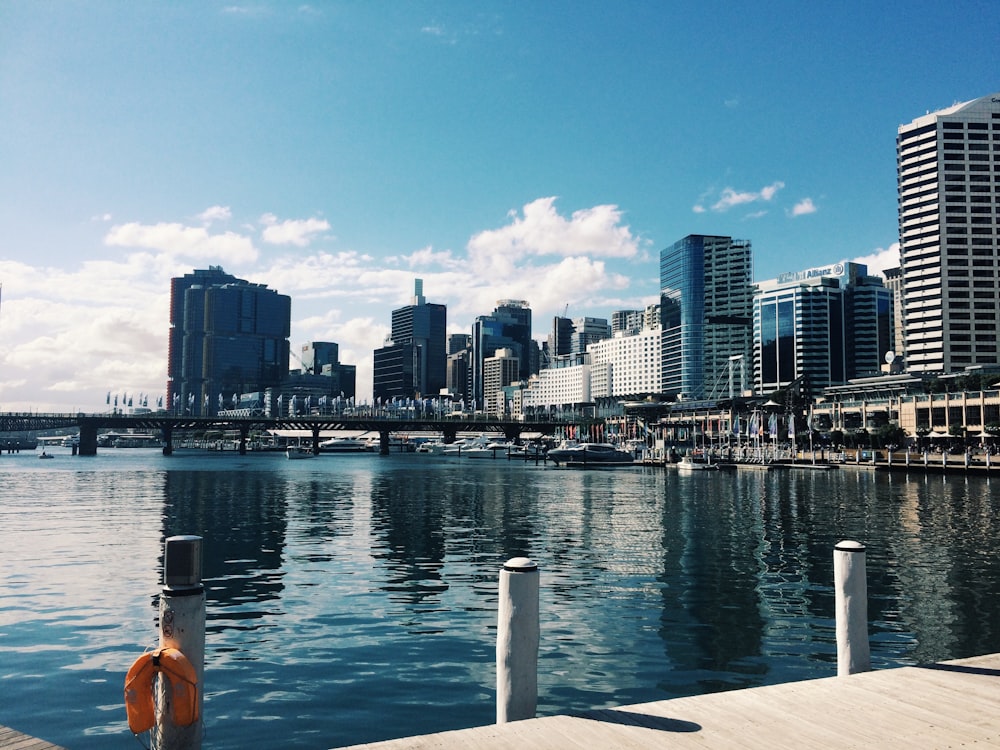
[
  {"x": 171, "y": 707},
  {"x": 182, "y": 627}
]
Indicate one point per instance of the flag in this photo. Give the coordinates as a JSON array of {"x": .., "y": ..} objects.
[
  {"x": 791, "y": 427},
  {"x": 772, "y": 426}
]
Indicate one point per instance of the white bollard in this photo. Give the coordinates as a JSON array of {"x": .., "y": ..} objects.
[
  {"x": 517, "y": 641},
  {"x": 182, "y": 626},
  {"x": 851, "y": 608}
]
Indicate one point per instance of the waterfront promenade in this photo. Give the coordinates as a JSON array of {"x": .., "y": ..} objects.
[{"x": 950, "y": 704}]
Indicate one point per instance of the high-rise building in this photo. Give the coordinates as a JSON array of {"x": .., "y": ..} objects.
[
  {"x": 828, "y": 324},
  {"x": 321, "y": 359},
  {"x": 571, "y": 336},
  {"x": 499, "y": 371},
  {"x": 894, "y": 282},
  {"x": 509, "y": 327},
  {"x": 706, "y": 302},
  {"x": 227, "y": 337},
  {"x": 948, "y": 170},
  {"x": 413, "y": 362}
]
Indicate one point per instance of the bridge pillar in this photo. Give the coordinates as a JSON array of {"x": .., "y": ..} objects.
[
  {"x": 315, "y": 445},
  {"x": 450, "y": 433},
  {"x": 244, "y": 434},
  {"x": 88, "y": 439},
  {"x": 512, "y": 433},
  {"x": 383, "y": 442},
  {"x": 168, "y": 440}
]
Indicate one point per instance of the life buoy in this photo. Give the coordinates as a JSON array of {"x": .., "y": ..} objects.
[{"x": 139, "y": 703}]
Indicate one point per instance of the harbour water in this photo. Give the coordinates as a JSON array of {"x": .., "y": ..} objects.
[{"x": 352, "y": 598}]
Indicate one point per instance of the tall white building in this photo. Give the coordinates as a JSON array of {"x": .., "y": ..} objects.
[
  {"x": 948, "y": 165},
  {"x": 627, "y": 365}
]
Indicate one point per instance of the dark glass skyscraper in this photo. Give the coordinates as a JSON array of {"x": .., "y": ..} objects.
[
  {"x": 227, "y": 337},
  {"x": 413, "y": 363},
  {"x": 509, "y": 327},
  {"x": 828, "y": 324},
  {"x": 706, "y": 306}
]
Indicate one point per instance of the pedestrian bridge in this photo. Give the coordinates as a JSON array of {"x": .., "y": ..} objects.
[{"x": 167, "y": 424}]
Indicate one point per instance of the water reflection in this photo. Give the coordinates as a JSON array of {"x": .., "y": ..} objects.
[{"x": 347, "y": 590}]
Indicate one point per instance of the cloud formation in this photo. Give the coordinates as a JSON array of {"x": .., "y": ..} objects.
[
  {"x": 730, "y": 198},
  {"x": 539, "y": 230},
  {"x": 182, "y": 241},
  {"x": 298, "y": 232},
  {"x": 803, "y": 207}
]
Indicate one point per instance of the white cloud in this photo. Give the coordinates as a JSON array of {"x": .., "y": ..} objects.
[
  {"x": 182, "y": 241},
  {"x": 542, "y": 231},
  {"x": 426, "y": 257},
  {"x": 215, "y": 213},
  {"x": 881, "y": 259},
  {"x": 298, "y": 232},
  {"x": 803, "y": 207},
  {"x": 730, "y": 197}
]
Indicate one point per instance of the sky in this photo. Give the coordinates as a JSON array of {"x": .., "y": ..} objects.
[{"x": 337, "y": 151}]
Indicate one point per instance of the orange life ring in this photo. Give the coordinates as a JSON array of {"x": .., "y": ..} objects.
[{"x": 139, "y": 703}]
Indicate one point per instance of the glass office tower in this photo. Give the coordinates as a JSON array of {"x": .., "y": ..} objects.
[
  {"x": 227, "y": 337},
  {"x": 706, "y": 304}
]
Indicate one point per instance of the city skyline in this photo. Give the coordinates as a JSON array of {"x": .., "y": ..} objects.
[{"x": 337, "y": 152}]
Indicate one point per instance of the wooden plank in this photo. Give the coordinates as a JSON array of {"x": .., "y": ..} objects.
[
  {"x": 955, "y": 703},
  {"x": 11, "y": 739}
]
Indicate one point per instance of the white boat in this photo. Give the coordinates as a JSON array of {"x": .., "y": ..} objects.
[
  {"x": 692, "y": 463},
  {"x": 572, "y": 452},
  {"x": 528, "y": 452},
  {"x": 396, "y": 444},
  {"x": 345, "y": 445},
  {"x": 481, "y": 446},
  {"x": 485, "y": 447},
  {"x": 432, "y": 446},
  {"x": 299, "y": 451}
]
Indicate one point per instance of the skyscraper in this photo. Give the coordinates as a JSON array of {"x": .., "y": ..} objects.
[
  {"x": 948, "y": 171},
  {"x": 227, "y": 337},
  {"x": 828, "y": 324},
  {"x": 706, "y": 301},
  {"x": 413, "y": 363},
  {"x": 509, "y": 327}
]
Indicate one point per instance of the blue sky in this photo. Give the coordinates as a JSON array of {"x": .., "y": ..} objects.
[{"x": 337, "y": 151}]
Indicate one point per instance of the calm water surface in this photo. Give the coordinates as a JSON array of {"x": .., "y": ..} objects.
[{"x": 353, "y": 598}]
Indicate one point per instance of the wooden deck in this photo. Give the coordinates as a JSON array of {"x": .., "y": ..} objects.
[
  {"x": 14, "y": 740},
  {"x": 952, "y": 704}
]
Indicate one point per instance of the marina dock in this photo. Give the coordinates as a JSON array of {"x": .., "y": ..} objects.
[
  {"x": 11, "y": 739},
  {"x": 949, "y": 704}
]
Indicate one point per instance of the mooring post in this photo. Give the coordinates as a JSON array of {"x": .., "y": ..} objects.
[
  {"x": 851, "y": 607},
  {"x": 182, "y": 626},
  {"x": 517, "y": 641}
]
